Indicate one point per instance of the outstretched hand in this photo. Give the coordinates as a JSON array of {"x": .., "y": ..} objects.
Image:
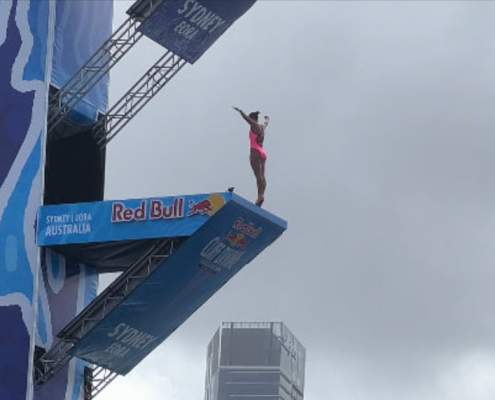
[{"x": 237, "y": 109}]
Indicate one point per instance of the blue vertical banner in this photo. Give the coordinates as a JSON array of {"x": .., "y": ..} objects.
[
  {"x": 24, "y": 40},
  {"x": 190, "y": 27},
  {"x": 81, "y": 28},
  {"x": 36, "y": 299}
]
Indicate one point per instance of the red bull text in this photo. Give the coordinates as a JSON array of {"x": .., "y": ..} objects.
[
  {"x": 160, "y": 211},
  {"x": 157, "y": 210}
]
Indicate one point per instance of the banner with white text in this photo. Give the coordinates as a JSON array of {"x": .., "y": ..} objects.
[
  {"x": 190, "y": 27},
  {"x": 106, "y": 221}
]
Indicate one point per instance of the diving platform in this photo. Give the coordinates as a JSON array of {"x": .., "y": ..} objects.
[{"x": 175, "y": 253}]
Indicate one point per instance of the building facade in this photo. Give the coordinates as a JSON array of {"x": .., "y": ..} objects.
[{"x": 253, "y": 361}]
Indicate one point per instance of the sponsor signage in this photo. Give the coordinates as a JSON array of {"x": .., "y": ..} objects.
[
  {"x": 107, "y": 221},
  {"x": 190, "y": 27},
  {"x": 228, "y": 241}
]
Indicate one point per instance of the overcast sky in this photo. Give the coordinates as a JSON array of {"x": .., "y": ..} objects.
[{"x": 381, "y": 158}]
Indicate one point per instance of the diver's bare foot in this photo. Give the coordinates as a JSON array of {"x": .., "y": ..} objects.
[{"x": 260, "y": 201}]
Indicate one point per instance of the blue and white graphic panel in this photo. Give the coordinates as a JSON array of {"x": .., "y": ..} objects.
[
  {"x": 228, "y": 241},
  {"x": 24, "y": 39}
]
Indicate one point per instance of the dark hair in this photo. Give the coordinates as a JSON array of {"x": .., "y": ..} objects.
[{"x": 254, "y": 115}]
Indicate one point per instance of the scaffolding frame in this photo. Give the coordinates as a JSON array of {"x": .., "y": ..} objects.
[
  {"x": 54, "y": 359},
  {"x": 146, "y": 87},
  {"x": 99, "y": 379},
  {"x": 100, "y": 63}
]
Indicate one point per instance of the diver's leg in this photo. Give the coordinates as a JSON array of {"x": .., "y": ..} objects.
[
  {"x": 262, "y": 181},
  {"x": 256, "y": 166}
]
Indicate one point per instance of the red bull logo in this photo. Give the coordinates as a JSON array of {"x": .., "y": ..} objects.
[
  {"x": 249, "y": 229},
  {"x": 208, "y": 206},
  {"x": 237, "y": 240},
  {"x": 203, "y": 207}
]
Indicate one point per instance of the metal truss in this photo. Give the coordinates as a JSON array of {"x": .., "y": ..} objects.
[
  {"x": 50, "y": 362},
  {"x": 109, "y": 54},
  {"x": 126, "y": 108},
  {"x": 99, "y": 379}
]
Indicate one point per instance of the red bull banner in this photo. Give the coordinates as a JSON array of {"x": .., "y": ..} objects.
[{"x": 134, "y": 219}]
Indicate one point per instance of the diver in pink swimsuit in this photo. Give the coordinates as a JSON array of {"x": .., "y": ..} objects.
[{"x": 257, "y": 155}]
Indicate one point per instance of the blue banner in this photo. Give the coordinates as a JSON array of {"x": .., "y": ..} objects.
[
  {"x": 229, "y": 240},
  {"x": 106, "y": 221},
  {"x": 24, "y": 42},
  {"x": 81, "y": 27},
  {"x": 190, "y": 27}
]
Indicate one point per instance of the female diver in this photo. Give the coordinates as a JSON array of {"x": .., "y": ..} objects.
[{"x": 257, "y": 155}]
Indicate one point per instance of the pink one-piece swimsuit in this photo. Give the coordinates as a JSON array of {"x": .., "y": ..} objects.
[{"x": 253, "y": 140}]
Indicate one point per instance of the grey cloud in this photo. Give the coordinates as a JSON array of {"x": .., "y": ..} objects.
[{"x": 381, "y": 158}]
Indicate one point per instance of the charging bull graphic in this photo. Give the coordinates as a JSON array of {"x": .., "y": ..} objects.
[{"x": 208, "y": 206}]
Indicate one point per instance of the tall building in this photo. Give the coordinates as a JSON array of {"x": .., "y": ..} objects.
[{"x": 253, "y": 361}]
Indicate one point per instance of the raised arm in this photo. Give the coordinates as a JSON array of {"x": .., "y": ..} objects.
[{"x": 247, "y": 118}]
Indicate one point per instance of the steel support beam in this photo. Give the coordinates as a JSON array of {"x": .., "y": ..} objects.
[
  {"x": 126, "y": 108},
  {"x": 100, "y": 378},
  {"x": 50, "y": 362}
]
